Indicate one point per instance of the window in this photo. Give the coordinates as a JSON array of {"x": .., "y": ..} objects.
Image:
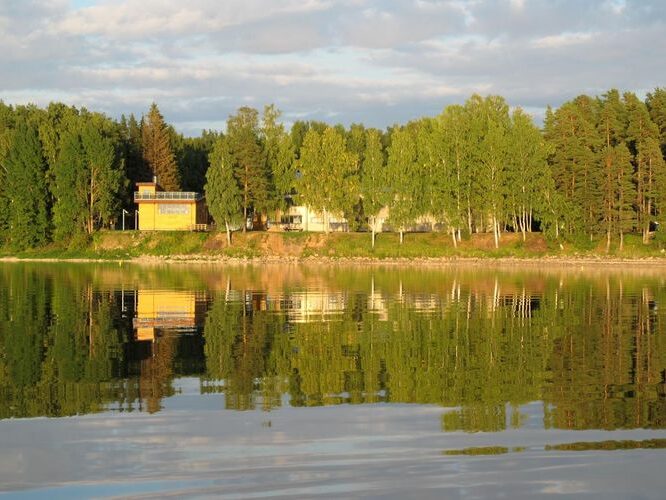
[{"x": 174, "y": 209}]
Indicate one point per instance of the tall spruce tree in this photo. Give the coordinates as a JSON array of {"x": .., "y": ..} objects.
[
  {"x": 6, "y": 133},
  {"x": 26, "y": 189},
  {"x": 69, "y": 189},
  {"x": 132, "y": 155},
  {"x": 157, "y": 150}
]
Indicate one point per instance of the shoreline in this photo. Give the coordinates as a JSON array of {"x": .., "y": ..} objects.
[{"x": 372, "y": 261}]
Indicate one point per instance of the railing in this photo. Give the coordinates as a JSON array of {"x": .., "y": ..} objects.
[
  {"x": 200, "y": 227},
  {"x": 167, "y": 195}
]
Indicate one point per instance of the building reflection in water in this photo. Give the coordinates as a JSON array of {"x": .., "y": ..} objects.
[{"x": 167, "y": 340}]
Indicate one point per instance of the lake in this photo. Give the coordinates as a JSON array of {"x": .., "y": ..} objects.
[{"x": 303, "y": 380}]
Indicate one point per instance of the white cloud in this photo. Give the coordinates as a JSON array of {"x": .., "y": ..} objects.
[
  {"x": 562, "y": 40},
  {"x": 376, "y": 61}
]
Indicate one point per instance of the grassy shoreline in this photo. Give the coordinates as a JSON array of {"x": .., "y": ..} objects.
[{"x": 422, "y": 248}]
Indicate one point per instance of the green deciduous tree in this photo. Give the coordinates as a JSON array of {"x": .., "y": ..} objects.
[
  {"x": 249, "y": 160},
  {"x": 529, "y": 176},
  {"x": 104, "y": 179},
  {"x": 328, "y": 173},
  {"x": 279, "y": 152},
  {"x": 402, "y": 179},
  {"x": 374, "y": 191},
  {"x": 223, "y": 195}
]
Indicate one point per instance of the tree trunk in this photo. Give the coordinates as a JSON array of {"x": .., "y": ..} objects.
[
  {"x": 621, "y": 240},
  {"x": 495, "y": 232},
  {"x": 372, "y": 229},
  {"x": 245, "y": 197},
  {"x": 608, "y": 240},
  {"x": 326, "y": 224},
  {"x": 469, "y": 216},
  {"x": 453, "y": 235},
  {"x": 402, "y": 233},
  {"x": 226, "y": 225},
  {"x": 92, "y": 203},
  {"x": 646, "y": 226}
]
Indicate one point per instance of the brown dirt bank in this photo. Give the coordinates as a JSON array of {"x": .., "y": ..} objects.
[{"x": 422, "y": 261}]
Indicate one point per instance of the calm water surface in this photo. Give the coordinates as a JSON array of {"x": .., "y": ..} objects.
[{"x": 303, "y": 381}]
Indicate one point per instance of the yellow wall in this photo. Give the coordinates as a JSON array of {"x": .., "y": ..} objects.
[
  {"x": 148, "y": 188},
  {"x": 150, "y": 218},
  {"x": 163, "y": 309}
]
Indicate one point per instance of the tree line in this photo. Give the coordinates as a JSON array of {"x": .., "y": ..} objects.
[{"x": 595, "y": 171}]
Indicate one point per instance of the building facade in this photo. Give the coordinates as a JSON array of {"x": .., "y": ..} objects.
[{"x": 169, "y": 210}]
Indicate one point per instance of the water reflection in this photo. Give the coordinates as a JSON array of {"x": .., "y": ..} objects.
[{"x": 481, "y": 343}]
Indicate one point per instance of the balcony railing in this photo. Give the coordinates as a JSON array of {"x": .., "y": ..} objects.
[{"x": 167, "y": 195}]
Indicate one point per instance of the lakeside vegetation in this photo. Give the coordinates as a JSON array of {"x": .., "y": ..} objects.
[
  {"x": 261, "y": 245},
  {"x": 590, "y": 181}
]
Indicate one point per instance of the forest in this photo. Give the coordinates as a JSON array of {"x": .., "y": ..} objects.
[{"x": 594, "y": 172}]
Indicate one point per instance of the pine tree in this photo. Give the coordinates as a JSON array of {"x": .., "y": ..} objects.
[
  {"x": 570, "y": 131},
  {"x": 643, "y": 142},
  {"x": 26, "y": 189},
  {"x": 656, "y": 103},
  {"x": 222, "y": 193},
  {"x": 157, "y": 150}
]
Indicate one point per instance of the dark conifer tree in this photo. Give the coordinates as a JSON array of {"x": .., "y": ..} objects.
[
  {"x": 158, "y": 151},
  {"x": 26, "y": 190}
]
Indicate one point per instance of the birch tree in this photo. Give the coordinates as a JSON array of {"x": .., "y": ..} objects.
[
  {"x": 223, "y": 195},
  {"x": 402, "y": 180},
  {"x": 373, "y": 180}
]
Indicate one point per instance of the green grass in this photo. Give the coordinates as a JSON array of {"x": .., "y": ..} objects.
[{"x": 114, "y": 245}]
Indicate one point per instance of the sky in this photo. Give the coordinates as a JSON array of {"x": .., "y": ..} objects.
[{"x": 340, "y": 61}]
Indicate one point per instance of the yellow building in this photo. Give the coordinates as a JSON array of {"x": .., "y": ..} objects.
[
  {"x": 169, "y": 210},
  {"x": 168, "y": 310}
]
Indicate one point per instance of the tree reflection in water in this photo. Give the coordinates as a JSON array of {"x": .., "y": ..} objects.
[{"x": 479, "y": 342}]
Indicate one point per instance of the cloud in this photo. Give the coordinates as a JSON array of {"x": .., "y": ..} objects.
[{"x": 373, "y": 61}]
